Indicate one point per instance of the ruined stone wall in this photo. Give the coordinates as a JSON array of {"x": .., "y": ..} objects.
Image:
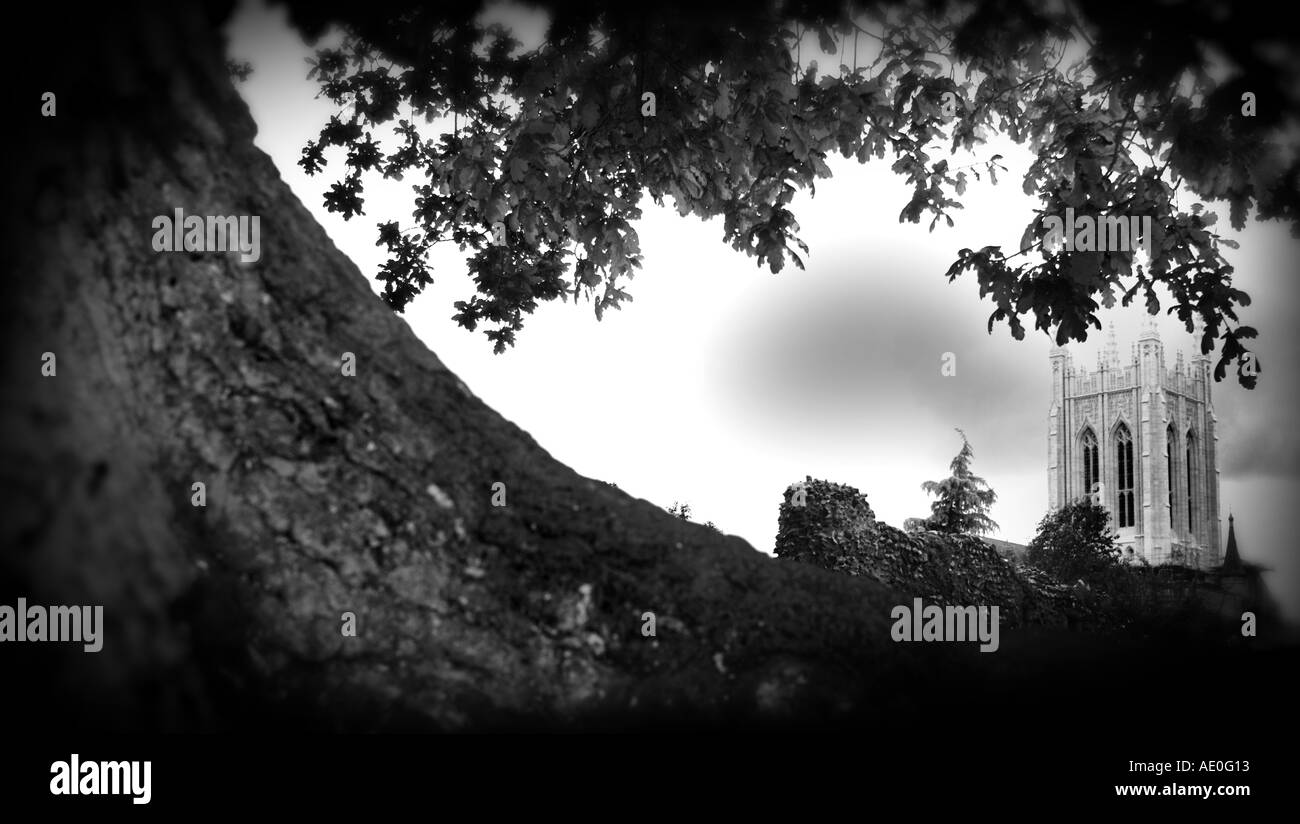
[{"x": 832, "y": 526}]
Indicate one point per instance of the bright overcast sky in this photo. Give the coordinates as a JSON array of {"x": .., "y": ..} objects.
[{"x": 721, "y": 383}]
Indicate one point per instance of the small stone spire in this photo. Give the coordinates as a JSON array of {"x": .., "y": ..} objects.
[
  {"x": 1198, "y": 329},
  {"x": 1112, "y": 348},
  {"x": 1149, "y": 330},
  {"x": 1231, "y": 558}
]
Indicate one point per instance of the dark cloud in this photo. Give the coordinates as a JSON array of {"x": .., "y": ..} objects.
[
  {"x": 1268, "y": 452},
  {"x": 1257, "y": 438},
  {"x": 866, "y": 351}
]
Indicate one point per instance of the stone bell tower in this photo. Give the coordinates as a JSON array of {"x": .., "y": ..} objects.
[{"x": 1138, "y": 435}]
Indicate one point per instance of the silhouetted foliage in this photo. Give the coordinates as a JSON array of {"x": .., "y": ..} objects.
[
  {"x": 683, "y": 511},
  {"x": 550, "y": 147}
]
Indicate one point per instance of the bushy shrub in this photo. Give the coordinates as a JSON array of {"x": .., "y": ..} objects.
[{"x": 1075, "y": 543}]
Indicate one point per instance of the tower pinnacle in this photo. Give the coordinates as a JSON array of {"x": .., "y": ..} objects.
[
  {"x": 1231, "y": 558},
  {"x": 1149, "y": 330},
  {"x": 1111, "y": 355}
]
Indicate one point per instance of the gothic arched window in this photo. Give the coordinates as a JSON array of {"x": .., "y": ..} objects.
[
  {"x": 1124, "y": 476},
  {"x": 1170, "y": 451},
  {"x": 1091, "y": 477},
  {"x": 1191, "y": 502}
]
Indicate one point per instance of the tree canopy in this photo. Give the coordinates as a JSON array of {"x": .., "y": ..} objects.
[
  {"x": 1075, "y": 542},
  {"x": 962, "y": 500},
  {"x": 724, "y": 109}
]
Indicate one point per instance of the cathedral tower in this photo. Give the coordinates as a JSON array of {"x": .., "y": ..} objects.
[{"x": 1137, "y": 435}]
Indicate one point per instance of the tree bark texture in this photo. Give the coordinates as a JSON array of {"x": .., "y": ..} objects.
[{"x": 325, "y": 493}]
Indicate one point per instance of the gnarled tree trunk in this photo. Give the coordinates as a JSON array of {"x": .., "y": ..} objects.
[{"x": 325, "y": 493}]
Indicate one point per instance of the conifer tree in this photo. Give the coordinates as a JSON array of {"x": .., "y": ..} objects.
[{"x": 962, "y": 500}]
